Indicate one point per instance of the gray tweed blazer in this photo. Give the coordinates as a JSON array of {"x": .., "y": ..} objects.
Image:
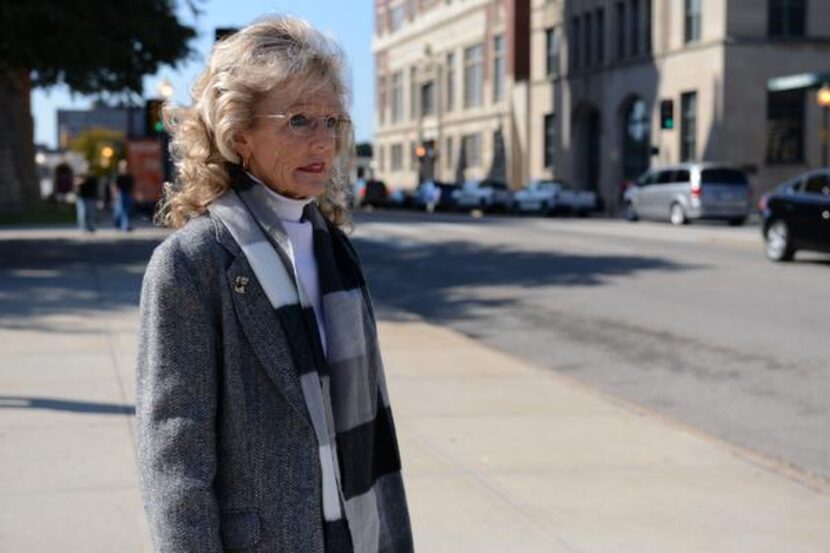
[{"x": 227, "y": 453}]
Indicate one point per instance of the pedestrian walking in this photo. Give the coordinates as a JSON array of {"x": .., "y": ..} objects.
[
  {"x": 122, "y": 191},
  {"x": 63, "y": 179},
  {"x": 86, "y": 202},
  {"x": 263, "y": 418}
]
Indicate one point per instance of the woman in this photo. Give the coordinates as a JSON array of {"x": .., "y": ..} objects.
[{"x": 263, "y": 418}]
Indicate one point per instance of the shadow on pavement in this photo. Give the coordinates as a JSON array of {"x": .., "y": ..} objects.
[
  {"x": 436, "y": 280},
  {"x": 43, "y": 277},
  {"x": 14, "y": 402}
]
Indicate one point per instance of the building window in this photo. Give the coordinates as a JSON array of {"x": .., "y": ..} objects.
[
  {"x": 647, "y": 30},
  {"x": 428, "y": 98},
  {"x": 472, "y": 149},
  {"x": 397, "y": 157},
  {"x": 589, "y": 39},
  {"x": 620, "y": 30},
  {"x": 692, "y": 20},
  {"x": 600, "y": 36},
  {"x": 396, "y": 17},
  {"x": 576, "y": 43},
  {"x": 397, "y": 96},
  {"x": 787, "y": 18},
  {"x": 450, "y": 81},
  {"x": 448, "y": 153},
  {"x": 688, "y": 126},
  {"x": 413, "y": 93},
  {"x": 498, "y": 68},
  {"x": 551, "y": 51},
  {"x": 473, "y": 75},
  {"x": 381, "y": 100},
  {"x": 785, "y": 127},
  {"x": 635, "y": 27},
  {"x": 636, "y": 140},
  {"x": 550, "y": 139}
]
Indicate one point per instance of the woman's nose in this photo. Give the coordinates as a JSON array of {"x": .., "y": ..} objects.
[{"x": 322, "y": 141}]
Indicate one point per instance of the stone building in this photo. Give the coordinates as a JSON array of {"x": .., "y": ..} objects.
[
  {"x": 597, "y": 91},
  {"x": 451, "y": 90}
]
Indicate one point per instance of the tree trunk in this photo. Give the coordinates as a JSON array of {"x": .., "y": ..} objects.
[{"x": 19, "y": 186}]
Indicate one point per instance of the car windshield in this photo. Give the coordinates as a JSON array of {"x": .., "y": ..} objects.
[
  {"x": 723, "y": 176},
  {"x": 547, "y": 184},
  {"x": 494, "y": 184}
]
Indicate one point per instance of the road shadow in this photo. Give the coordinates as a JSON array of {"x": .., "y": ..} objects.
[
  {"x": 85, "y": 407},
  {"x": 433, "y": 280},
  {"x": 54, "y": 276}
]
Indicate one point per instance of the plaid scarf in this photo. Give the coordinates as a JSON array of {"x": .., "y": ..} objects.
[{"x": 364, "y": 506}]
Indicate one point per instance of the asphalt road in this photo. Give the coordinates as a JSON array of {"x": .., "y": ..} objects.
[{"x": 693, "y": 322}]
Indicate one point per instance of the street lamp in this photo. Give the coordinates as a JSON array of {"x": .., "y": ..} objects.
[
  {"x": 824, "y": 102},
  {"x": 106, "y": 156},
  {"x": 165, "y": 89}
]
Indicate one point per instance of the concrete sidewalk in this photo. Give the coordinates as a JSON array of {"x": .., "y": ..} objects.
[{"x": 498, "y": 455}]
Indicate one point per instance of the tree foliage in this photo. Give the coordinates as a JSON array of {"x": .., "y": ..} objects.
[
  {"x": 91, "y": 144},
  {"x": 92, "y": 46}
]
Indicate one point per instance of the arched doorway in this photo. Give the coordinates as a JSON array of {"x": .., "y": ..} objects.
[
  {"x": 587, "y": 130},
  {"x": 636, "y": 138}
]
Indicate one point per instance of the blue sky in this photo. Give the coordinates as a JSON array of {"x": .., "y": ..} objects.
[{"x": 351, "y": 22}]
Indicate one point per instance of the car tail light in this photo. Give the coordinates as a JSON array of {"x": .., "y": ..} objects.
[
  {"x": 697, "y": 190},
  {"x": 762, "y": 203}
]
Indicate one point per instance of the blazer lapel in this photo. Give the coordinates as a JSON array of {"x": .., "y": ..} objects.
[{"x": 261, "y": 325}]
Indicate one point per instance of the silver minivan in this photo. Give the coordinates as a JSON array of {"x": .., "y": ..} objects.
[{"x": 680, "y": 193}]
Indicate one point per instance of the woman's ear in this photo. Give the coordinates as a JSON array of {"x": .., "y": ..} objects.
[{"x": 242, "y": 145}]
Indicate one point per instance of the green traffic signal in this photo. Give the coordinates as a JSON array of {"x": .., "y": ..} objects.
[
  {"x": 159, "y": 126},
  {"x": 667, "y": 114}
]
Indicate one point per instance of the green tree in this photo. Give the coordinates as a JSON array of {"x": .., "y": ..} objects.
[
  {"x": 93, "y": 46},
  {"x": 102, "y": 148}
]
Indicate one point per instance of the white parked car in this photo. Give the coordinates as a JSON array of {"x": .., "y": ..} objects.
[
  {"x": 554, "y": 196},
  {"x": 486, "y": 195}
]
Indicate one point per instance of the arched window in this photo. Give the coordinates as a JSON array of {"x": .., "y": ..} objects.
[{"x": 636, "y": 138}]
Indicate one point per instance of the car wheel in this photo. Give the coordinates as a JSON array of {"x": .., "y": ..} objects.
[
  {"x": 779, "y": 244},
  {"x": 676, "y": 214},
  {"x": 737, "y": 221},
  {"x": 631, "y": 212}
]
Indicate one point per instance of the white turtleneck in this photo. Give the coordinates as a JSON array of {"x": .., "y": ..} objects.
[{"x": 300, "y": 235}]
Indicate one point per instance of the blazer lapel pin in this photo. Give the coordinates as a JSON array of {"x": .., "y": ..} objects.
[{"x": 240, "y": 284}]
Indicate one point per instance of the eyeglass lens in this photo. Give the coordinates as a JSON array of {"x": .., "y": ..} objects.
[{"x": 305, "y": 125}]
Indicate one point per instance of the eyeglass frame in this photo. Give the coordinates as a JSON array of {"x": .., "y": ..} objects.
[{"x": 314, "y": 125}]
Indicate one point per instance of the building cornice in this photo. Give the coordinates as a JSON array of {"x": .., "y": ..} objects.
[{"x": 427, "y": 23}]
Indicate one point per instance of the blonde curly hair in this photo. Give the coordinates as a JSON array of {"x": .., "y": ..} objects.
[{"x": 278, "y": 52}]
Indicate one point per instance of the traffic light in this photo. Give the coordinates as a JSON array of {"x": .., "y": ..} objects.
[
  {"x": 154, "y": 123},
  {"x": 667, "y": 114}
]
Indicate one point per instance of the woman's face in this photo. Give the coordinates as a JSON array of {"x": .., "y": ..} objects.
[{"x": 291, "y": 147}]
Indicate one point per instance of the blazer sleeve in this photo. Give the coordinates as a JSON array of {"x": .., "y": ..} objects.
[{"x": 176, "y": 402}]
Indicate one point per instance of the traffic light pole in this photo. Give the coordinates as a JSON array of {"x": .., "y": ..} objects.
[{"x": 825, "y": 136}]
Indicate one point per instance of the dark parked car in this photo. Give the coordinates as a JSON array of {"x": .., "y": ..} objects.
[
  {"x": 371, "y": 193},
  {"x": 439, "y": 195},
  {"x": 796, "y": 216}
]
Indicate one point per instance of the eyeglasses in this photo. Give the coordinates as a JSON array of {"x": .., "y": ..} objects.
[{"x": 307, "y": 125}]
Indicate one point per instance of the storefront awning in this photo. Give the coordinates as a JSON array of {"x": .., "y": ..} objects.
[{"x": 798, "y": 82}]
